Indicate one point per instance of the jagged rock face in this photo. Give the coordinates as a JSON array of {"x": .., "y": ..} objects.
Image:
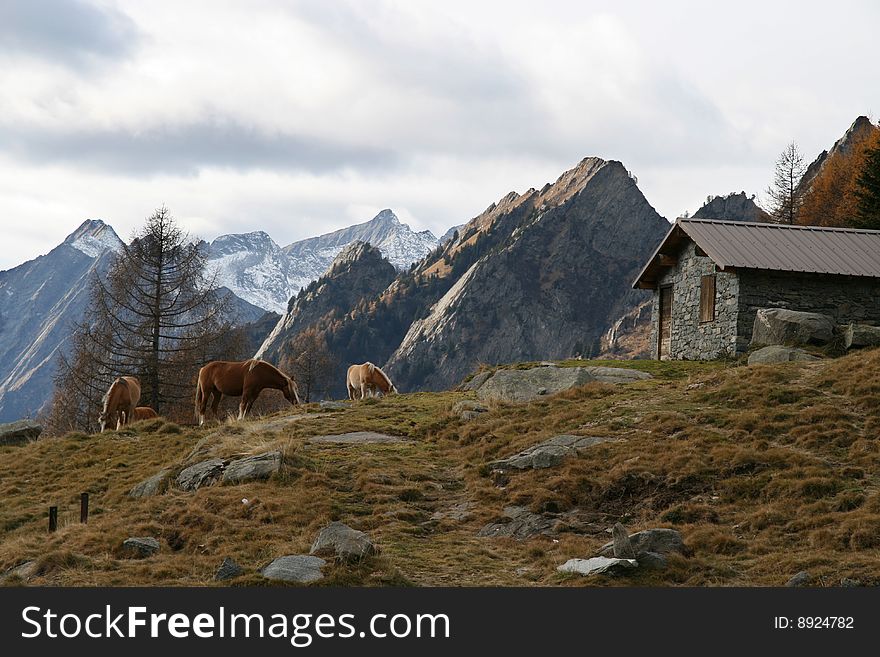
[
  {"x": 732, "y": 207},
  {"x": 358, "y": 273},
  {"x": 551, "y": 285},
  {"x": 40, "y": 301},
  {"x": 858, "y": 131}
]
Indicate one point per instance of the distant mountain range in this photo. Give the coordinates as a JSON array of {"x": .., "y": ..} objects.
[
  {"x": 259, "y": 271},
  {"x": 42, "y": 299}
]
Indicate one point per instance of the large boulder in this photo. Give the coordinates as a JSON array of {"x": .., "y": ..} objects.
[
  {"x": 155, "y": 485},
  {"x": 261, "y": 466},
  {"x": 518, "y": 523},
  {"x": 860, "y": 335},
  {"x": 661, "y": 541},
  {"x": 346, "y": 544},
  {"x": 525, "y": 385},
  {"x": 201, "y": 474},
  {"x": 597, "y": 566},
  {"x": 300, "y": 568},
  {"x": 20, "y": 432},
  {"x": 791, "y": 327},
  {"x": 548, "y": 453},
  {"x": 776, "y": 353}
]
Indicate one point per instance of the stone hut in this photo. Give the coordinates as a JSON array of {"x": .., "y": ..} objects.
[{"x": 710, "y": 277}]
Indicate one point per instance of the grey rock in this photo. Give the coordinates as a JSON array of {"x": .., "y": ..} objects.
[
  {"x": 791, "y": 327},
  {"x": 346, "y": 544},
  {"x": 301, "y": 568},
  {"x": 261, "y": 466},
  {"x": 803, "y": 578},
  {"x": 520, "y": 523},
  {"x": 621, "y": 545},
  {"x": 848, "y": 582},
  {"x": 333, "y": 405},
  {"x": 652, "y": 561},
  {"x": 23, "y": 571},
  {"x": 548, "y": 453},
  {"x": 357, "y": 438},
  {"x": 140, "y": 547},
  {"x": 662, "y": 541},
  {"x": 467, "y": 416},
  {"x": 860, "y": 335},
  {"x": 526, "y": 385},
  {"x": 229, "y": 569},
  {"x": 469, "y": 405},
  {"x": 779, "y": 354},
  {"x": 476, "y": 381},
  {"x": 20, "y": 432},
  {"x": 458, "y": 512},
  {"x": 201, "y": 474},
  {"x": 597, "y": 566},
  {"x": 155, "y": 485}
]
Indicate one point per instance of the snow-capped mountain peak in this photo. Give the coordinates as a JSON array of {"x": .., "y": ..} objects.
[{"x": 93, "y": 238}]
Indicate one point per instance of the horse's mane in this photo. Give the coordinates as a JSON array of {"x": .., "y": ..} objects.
[
  {"x": 253, "y": 363},
  {"x": 384, "y": 376},
  {"x": 106, "y": 398}
]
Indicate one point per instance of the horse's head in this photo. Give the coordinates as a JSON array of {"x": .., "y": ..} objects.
[{"x": 291, "y": 393}]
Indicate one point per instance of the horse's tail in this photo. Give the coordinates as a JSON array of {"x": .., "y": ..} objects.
[{"x": 199, "y": 396}]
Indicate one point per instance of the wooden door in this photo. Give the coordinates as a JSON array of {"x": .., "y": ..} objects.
[{"x": 664, "y": 331}]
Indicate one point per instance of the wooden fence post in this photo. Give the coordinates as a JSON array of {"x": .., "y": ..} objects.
[
  {"x": 84, "y": 508},
  {"x": 53, "y": 518}
]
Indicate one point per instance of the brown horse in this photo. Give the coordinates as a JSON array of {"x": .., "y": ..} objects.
[
  {"x": 120, "y": 400},
  {"x": 244, "y": 379},
  {"x": 367, "y": 378},
  {"x": 143, "y": 413}
]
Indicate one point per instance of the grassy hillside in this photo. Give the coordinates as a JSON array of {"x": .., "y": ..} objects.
[{"x": 765, "y": 470}]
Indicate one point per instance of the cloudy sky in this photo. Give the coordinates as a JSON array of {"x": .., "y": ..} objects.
[{"x": 301, "y": 117}]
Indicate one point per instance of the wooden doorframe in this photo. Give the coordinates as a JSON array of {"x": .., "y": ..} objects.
[{"x": 661, "y": 308}]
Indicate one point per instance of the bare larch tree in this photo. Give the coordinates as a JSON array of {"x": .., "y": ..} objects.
[{"x": 785, "y": 195}]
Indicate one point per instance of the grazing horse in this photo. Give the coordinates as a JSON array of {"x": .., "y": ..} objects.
[
  {"x": 367, "y": 378},
  {"x": 245, "y": 379},
  {"x": 143, "y": 413},
  {"x": 120, "y": 400}
]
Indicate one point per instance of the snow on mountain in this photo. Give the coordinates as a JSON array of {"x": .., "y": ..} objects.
[
  {"x": 256, "y": 269},
  {"x": 93, "y": 238}
]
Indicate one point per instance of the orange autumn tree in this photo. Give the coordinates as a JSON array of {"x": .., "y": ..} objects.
[{"x": 831, "y": 199}]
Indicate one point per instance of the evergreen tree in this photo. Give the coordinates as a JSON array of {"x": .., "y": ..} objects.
[{"x": 868, "y": 191}]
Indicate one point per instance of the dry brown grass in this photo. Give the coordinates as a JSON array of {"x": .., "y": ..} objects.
[{"x": 766, "y": 471}]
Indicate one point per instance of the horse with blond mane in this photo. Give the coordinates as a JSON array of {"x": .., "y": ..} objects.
[
  {"x": 120, "y": 400},
  {"x": 366, "y": 378},
  {"x": 245, "y": 379}
]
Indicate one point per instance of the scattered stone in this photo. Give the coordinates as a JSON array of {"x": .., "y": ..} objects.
[
  {"x": 345, "y": 543},
  {"x": 803, "y": 578},
  {"x": 779, "y": 354},
  {"x": 662, "y": 541},
  {"x": 620, "y": 544},
  {"x": 859, "y": 335},
  {"x": 597, "y": 565},
  {"x": 525, "y": 385},
  {"x": 846, "y": 582},
  {"x": 20, "y": 432},
  {"x": 333, "y": 405},
  {"x": 358, "y": 438},
  {"x": 520, "y": 524},
  {"x": 140, "y": 548},
  {"x": 467, "y": 416},
  {"x": 301, "y": 568},
  {"x": 791, "y": 327},
  {"x": 548, "y": 453},
  {"x": 261, "y": 466},
  {"x": 469, "y": 409},
  {"x": 652, "y": 561},
  {"x": 23, "y": 571},
  {"x": 458, "y": 512},
  {"x": 229, "y": 569},
  {"x": 201, "y": 474},
  {"x": 155, "y": 485}
]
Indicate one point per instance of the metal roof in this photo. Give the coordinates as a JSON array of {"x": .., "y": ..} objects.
[{"x": 753, "y": 245}]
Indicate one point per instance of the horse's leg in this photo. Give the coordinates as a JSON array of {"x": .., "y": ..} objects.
[
  {"x": 215, "y": 404},
  {"x": 246, "y": 403},
  {"x": 350, "y": 391}
]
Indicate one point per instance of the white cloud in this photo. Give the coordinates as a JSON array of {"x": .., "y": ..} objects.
[{"x": 301, "y": 117}]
